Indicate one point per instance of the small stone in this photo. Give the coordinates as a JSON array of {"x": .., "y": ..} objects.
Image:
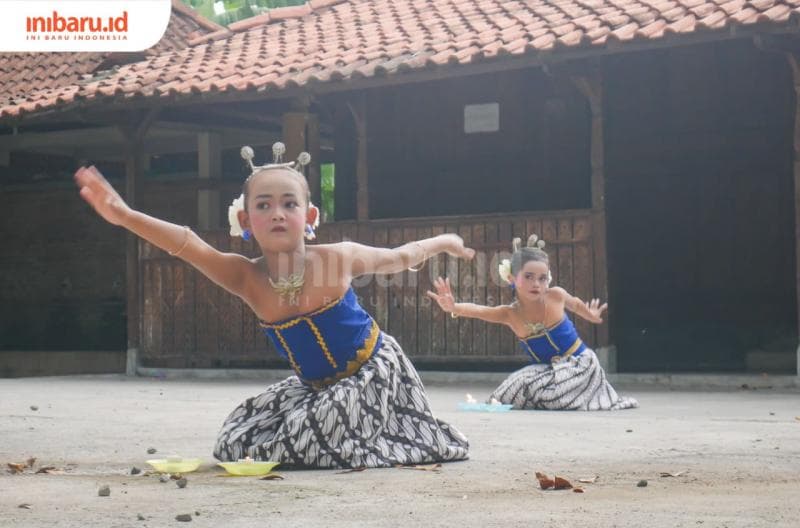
[
  {"x": 135, "y": 470},
  {"x": 628, "y": 430},
  {"x": 642, "y": 484},
  {"x": 139, "y": 517},
  {"x": 104, "y": 491},
  {"x": 184, "y": 517},
  {"x": 197, "y": 514},
  {"x": 151, "y": 450},
  {"x": 181, "y": 482},
  {"x": 163, "y": 478},
  {"x": 34, "y": 407}
]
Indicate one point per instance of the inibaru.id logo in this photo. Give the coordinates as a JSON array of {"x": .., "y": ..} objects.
[{"x": 59, "y": 27}]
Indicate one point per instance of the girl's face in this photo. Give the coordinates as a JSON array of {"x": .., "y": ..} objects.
[
  {"x": 532, "y": 280},
  {"x": 277, "y": 209}
]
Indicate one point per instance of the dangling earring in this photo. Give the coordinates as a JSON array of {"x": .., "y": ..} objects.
[
  {"x": 246, "y": 234},
  {"x": 310, "y": 234}
]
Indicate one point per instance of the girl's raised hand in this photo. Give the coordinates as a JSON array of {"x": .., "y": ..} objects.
[
  {"x": 596, "y": 310},
  {"x": 444, "y": 296},
  {"x": 455, "y": 247},
  {"x": 96, "y": 190}
]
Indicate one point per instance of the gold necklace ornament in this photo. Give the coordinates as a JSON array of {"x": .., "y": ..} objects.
[{"x": 289, "y": 286}]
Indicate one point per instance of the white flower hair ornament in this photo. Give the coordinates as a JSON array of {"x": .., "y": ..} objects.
[
  {"x": 504, "y": 269},
  {"x": 233, "y": 217}
]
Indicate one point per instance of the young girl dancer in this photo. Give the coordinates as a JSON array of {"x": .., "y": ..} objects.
[
  {"x": 565, "y": 373},
  {"x": 355, "y": 399}
]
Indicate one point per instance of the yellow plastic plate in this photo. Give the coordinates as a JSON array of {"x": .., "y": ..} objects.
[
  {"x": 248, "y": 469},
  {"x": 180, "y": 465}
]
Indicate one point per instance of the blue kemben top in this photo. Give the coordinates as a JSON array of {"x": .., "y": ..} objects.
[
  {"x": 328, "y": 344},
  {"x": 553, "y": 344}
]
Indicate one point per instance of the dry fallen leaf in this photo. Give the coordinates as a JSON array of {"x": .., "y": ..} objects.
[
  {"x": 561, "y": 483},
  {"x": 272, "y": 476},
  {"x": 544, "y": 481},
  {"x": 577, "y": 490},
  {"x": 16, "y": 468},
  {"x": 422, "y": 467},
  {"x": 558, "y": 483},
  {"x": 31, "y": 461},
  {"x": 678, "y": 474},
  {"x": 25, "y": 506},
  {"x": 352, "y": 470},
  {"x": 591, "y": 480}
]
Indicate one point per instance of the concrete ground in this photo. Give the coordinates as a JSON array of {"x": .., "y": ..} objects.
[{"x": 736, "y": 454}]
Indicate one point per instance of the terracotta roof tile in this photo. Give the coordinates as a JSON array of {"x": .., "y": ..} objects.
[
  {"x": 336, "y": 40},
  {"x": 23, "y": 73}
]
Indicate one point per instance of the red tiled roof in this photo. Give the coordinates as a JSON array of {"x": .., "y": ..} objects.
[
  {"x": 331, "y": 40},
  {"x": 23, "y": 73}
]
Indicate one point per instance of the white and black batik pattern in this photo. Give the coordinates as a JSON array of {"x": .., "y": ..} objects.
[
  {"x": 379, "y": 417},
  {"x": 577, "y": 383}
]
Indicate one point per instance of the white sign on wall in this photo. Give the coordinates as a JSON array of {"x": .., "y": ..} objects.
[{"x": 481, "y": 118}]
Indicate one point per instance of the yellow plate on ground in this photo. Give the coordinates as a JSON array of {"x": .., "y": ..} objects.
[
  {"x": 183, "y": 465},
  {"x": 248, "y": 469}
]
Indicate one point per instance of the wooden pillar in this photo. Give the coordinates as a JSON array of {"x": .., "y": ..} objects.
[
  {"x": 134, "y": 167},
  {"x": 794, "y": 63},
  {"x": 209, "y": 167},
  {"x": 359, "y": 111},
  {"x": 592, "y": 88},
  {"x": 135, "y": 161},
  {"x": 301, "y": 133}
]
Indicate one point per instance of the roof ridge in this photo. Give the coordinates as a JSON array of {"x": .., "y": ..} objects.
[{"x": 273, "y": 15}]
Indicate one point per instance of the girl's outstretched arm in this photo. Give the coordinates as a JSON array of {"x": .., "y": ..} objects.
[
  {"x": 226, "y": 269},
  {"x": 365, "y": 260},
  {"x": 446, "y": 301},
  {"x": 591, "y": 311}
]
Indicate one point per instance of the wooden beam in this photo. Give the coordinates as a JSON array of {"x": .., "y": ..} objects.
[
  {"x": 313, "y": 147},
  {"x": 591, "y": 86},
  {"x": 63, "y": 138},
  {"x": 359, "y": 111},
  {"x": 794, "y": 64},
  {"x": 209, "y": 166},
  {"x": 109, "y": 143}
]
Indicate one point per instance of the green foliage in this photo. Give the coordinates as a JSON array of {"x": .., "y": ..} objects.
[{"x": 328, "y": 175}]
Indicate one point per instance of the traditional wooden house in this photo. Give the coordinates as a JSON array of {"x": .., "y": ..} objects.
[{"x": 653, "y": 145}]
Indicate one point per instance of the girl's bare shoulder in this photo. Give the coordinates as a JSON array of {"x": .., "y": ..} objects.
[{"x": 557, "y": 293}]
